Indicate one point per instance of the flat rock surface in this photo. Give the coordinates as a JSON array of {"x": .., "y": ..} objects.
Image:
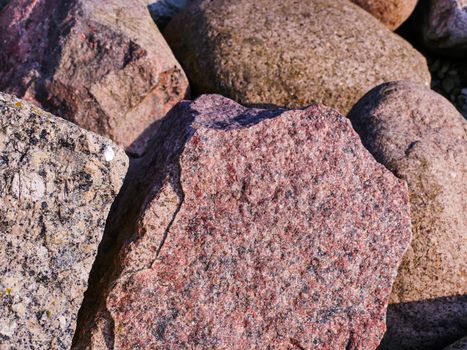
[
  {"x": 392, "y": 13},
  {"x": 422, "y": 138},
  {"x": 254, "y": 229},
  {"x": 289, "y": 53},
  {"x": 101, "y": 64},
  {"x": 57, "y": 183},
  {"x": 444, "y": 29}
]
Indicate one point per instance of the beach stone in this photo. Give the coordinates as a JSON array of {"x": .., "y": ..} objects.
[
  {"x": 162, "y": 11},
  {"x": 254, "y": 228},
  {"x": 103, "y": 65},
  {"x": 444, "y": 28},
  {"x": 392, "y": 13},
  {"x": 289, "y": 53},
  {"x": 422, "y": 138},
  {"x": 57, "y": 183}
]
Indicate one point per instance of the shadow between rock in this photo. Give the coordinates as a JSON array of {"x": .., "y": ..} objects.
[{"x": 425, "y": 325}]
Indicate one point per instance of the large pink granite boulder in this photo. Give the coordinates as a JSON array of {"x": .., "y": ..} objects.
[
  {"x": 101, "y": 64},
  {"x": 250, "y": 228}
]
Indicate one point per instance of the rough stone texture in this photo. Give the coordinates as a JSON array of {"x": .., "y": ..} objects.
[
  {"x": 253, "y": 229},
  {"x": 289, "y": 53},
  {"x": 422, "y": 138},
  {"x": 101, "y": 64},
  {"x": 57, "y": 183},
  {"x": 392, "y": 13},
  {"x": 445, "y": 27},
  {"x": 458, "y": 345},
  {"x": 162, "y": 11}
]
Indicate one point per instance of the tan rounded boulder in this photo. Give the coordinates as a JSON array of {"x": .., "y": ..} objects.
[
  {"x": 422, "y": 138},
  {"x": 289, "y": 53},
  {"x": 392, "y": 13}
]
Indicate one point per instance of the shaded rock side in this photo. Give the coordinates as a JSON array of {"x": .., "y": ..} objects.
[
  {"x": 422, "y": 138},
  {"x": 102, "y": 65},
  {"x": 289, "y": 53},
  {"x": 458, "y": 345},
  {"x": 444, "y": 28},
  {"x": 252, "y": 229},
  {"x": 57, "y": 183},
  {"x": 3, "y": 3},
  {"x": 162, "y": 11},
  {"x": 430, "y": 324},
  {"x": 392, "y": 13}
]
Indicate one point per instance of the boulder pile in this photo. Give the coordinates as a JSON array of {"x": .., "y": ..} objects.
[{"x": 250, "y": 174}]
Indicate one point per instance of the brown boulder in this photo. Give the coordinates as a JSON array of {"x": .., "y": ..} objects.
[
  {"x": 252, "y": 228},
  {"x": 289, "y": 53},
  {"x": 422, "y": 138},
  {"x": 392, "y": 13},
  {"x": 101, "y": 64}
]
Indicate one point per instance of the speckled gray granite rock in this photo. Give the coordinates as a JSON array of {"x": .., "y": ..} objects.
[
  {"x": 251, "y": 229},
  {"x": 422, "y": 138},
  {"x": 289, "y": 53},
  {"x": 103, "y": 65},
  {"x": 57, "y": 182},
  {"x": 458, "y": 345},
  {"x": 444, "y": 29},
  {"x": 162, "y": 11}
]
